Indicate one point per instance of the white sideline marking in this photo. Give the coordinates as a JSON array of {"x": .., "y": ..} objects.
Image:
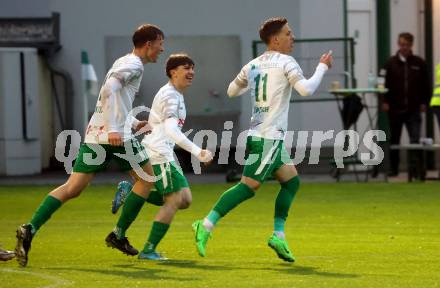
[{"x": 58, "y": 281}]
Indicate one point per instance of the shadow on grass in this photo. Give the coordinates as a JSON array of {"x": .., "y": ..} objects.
[
  {"x": 283, "y": 268},
  {"x": 191, "y": 264},
  {"x": 306, "y": 270},
  {"x": 129, "y": 271},
  {"x": 151, "y": 273}
]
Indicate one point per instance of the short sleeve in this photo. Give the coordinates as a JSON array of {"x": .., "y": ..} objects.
[{"x": 293, "y": 71}]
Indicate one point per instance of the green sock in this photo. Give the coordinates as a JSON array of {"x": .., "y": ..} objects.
[
  {"x": 49, "y": 205},
  {"x": 132, "y": 206},
  {"x": 158, "y": 231},
  {"x": 231, "y": 198},
  {"x": 155, "y": 198},
  {"x": 284, "y": 201}
]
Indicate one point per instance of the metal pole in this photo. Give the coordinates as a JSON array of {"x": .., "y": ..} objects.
[
  {"x": 429, "y": 60},
  {"x": 383, "y": 31}
]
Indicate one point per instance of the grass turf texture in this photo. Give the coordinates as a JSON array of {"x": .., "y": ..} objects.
[{"x": 343, "y": 235}]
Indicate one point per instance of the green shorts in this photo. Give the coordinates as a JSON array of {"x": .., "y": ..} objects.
[
  {"x": 264, "y": 157},
  {"x": 94, "y": 163},
  {"x": 171, "y": 178}
]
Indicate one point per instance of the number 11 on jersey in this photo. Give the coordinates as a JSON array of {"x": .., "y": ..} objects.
[{"x": 257, "y": 86}]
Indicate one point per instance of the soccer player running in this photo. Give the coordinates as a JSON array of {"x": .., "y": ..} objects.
[
  {"x": 167, "y": 117},
  {"x": 105, "y": 135},
  {"x": 270, "y": 77}
]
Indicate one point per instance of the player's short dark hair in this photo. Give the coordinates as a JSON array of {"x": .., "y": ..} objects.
[
  {"x": 271, "y": 27},
  {"x": 176, "y": 60},
  {"x": 407, "y": 36},
  {"x": 146, "y": 32}
]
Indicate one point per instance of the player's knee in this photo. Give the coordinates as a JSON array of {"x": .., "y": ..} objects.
[
  {"x": 255, "y": 187},
  {"x": 252, "y": 184},
  {"x": 185, "y": 203},
  {"x": 185, "y": 198},
  {"x": 173, "y": 203}
]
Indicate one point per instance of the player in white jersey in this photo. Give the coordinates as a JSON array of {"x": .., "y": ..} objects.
[
  {"x": 167, "y": 116},
  {"x": 105, "y": 140},
  {"x": 270, "y": 77}
]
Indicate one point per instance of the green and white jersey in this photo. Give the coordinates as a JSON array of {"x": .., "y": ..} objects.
[
  {"x": 168, "y": 103},
  {"x": 113, "y": 107},
  {"x": 270, "y": 77}
]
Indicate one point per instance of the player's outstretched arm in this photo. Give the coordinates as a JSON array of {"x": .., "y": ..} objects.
[
  {"x": 172, "y": 130},
  {"x": 307, "y": 87}
]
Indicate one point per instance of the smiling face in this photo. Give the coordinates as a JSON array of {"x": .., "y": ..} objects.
[
  {"x": 152, "y": 50},
  {"x": 180, "y": 70},
  {"x": 148, "y": 42},
  {"x": 182, "y": 76}
]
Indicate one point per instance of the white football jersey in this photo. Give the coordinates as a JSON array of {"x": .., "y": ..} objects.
[
  {"x": 128, "y": 70},
  {"x": 167, "y": 103},
  {"x": 270, "y": 78}
]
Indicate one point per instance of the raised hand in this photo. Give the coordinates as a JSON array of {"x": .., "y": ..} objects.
[{"x": 327, "y": 59}]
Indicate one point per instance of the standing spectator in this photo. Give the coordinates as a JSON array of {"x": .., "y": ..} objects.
[{"x": 408, "y": 94}]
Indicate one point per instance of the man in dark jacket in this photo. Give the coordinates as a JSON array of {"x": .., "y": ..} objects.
[{"x": 408, "y": 94}]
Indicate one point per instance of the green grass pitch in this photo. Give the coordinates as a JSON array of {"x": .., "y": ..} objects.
[{"x": 343, "y": 235}]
